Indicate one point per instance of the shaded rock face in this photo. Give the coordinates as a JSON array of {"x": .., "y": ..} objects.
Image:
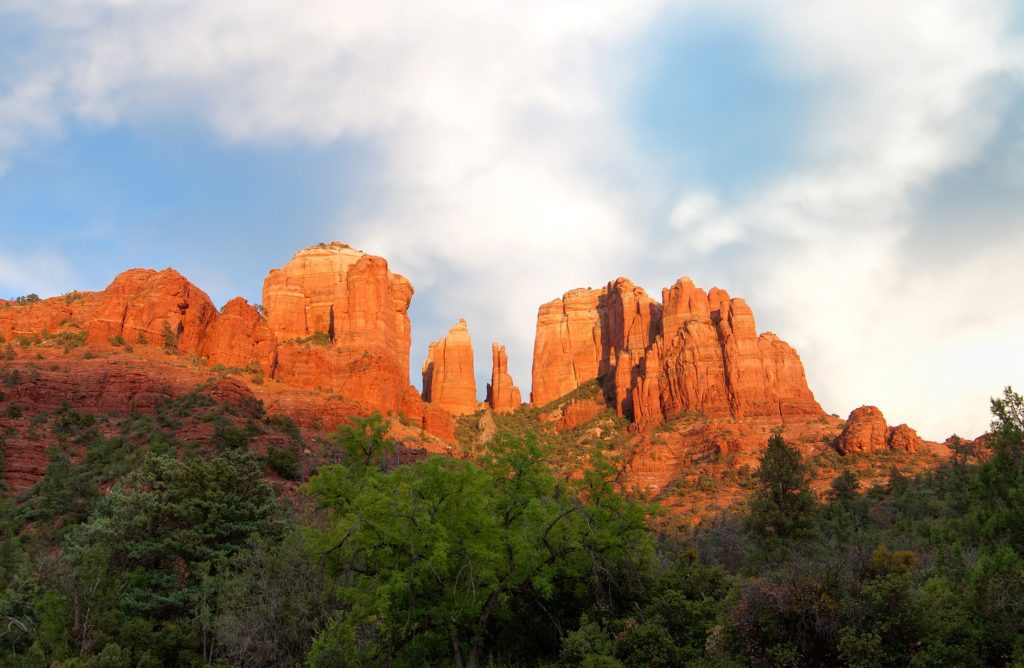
[
  {"x": 695, "y": 351},
  {"x": 448, "y": 378},
  {"x": 866, "y": 431},
  {"x": 502, "y": 394},
  {"x": 356, "y": 309}
]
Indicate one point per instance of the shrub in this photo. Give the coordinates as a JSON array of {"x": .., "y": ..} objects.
[
  {"x": 12, "y": 379},
  {"x": 316, "y": 339},
  {"x": 26, "y": 299},
  {"x": 284, "y": 462},
  {"x": 170, "y": 337},
  {"x": 7, "y": 353},
  {"x": 69, "y": 340},
  {"x": 227, "y": 436},
  {"x": 117, "y": 340},
  {"x": 13, "y": 411}
]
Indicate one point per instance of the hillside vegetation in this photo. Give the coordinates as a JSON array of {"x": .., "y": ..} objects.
[{"x": 180, "y": 553}]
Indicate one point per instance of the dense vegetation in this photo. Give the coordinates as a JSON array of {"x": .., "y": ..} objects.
[{"x": 178, "y": 556}]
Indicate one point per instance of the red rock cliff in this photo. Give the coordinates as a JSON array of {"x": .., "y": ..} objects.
[
  {"x": 448, "y": 379},
  {"x": 696, "y": 351},
  {"x": 341, "y": 320}
]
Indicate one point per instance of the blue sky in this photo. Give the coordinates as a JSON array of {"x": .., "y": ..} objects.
[{"x": 855, "y": 173}]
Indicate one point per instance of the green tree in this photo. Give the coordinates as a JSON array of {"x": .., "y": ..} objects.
[
  {"x": 437, "y": 549},
  {"x": 169, "y": 516},
  {"x": 782, "y": 505}
]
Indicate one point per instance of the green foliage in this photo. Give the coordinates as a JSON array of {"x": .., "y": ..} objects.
[
  {"x": 438, "y": 551},
  {"x": 227, "y": 436},
  {"x": 284, "y": 463},
  {"x": 275, "y": 600},
  {"x": 517, "y": 558},
  {"x": 782, "y": 505},
  {"x": 170, "y": 337},
  {"x": 314, "y": 339},
  {"x": 169, "y": 516},
  {"x": 7, "y": 353},
  {"x": 26, "y": 299},
  {"x": 117, "y": 340},
  {"x": 365, "y": 442}
]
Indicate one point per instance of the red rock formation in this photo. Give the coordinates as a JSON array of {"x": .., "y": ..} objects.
[
  {"x": 866, "y": 431},
  {"x": 448, "y": 378},
  {"x": 569, "y": 347},
  {"x": 141, "y": 306},
  {"x": 902, "y": 437},
  {"x": 579, "y": 411},
  {"x": 241, "y": 338},
  {"x": 502, "y": 394},
  {"x": 696, "y": 352},
  {"x": 356, "y": 310}
]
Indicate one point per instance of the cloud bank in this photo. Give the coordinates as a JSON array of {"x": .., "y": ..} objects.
[{"x": 508, "y": 170}]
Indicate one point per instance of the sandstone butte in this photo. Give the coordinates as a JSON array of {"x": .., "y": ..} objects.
[
  {"x": 335, "y": 319},
  {"x": 693, "y": 352},
  {"x": 448, "y": 378},
  {"x": 502, "y": 394}
]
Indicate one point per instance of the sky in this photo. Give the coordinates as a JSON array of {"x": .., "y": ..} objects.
[{"x": 855, "y": 171}]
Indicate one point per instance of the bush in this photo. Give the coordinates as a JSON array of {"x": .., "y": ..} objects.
[
  {"x": 117, "y": 340},
  {"x": 69, "y": 340},
  {"x": 316, "y": 339},
  {"x": 26, "y": 299},
  {"x": 284, "y": 463},
  {"x": 170, "y": 337},
  {"x": 227, "y": 436},
  {"x": 13, "y": 411}
]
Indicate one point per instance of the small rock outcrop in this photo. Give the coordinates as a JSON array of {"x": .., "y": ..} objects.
[
  {"x": 448, "y": 378},
  {"x": 502, "y": 394},
  {"x": 902, "y": 437},
  {"x": 866, "y": 431}
]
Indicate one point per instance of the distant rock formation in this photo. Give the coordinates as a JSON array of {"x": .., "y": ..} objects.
[
  {"x": 867, "y": 432},
  {"x": 448, "y": 378},
  {"x": 502, "y": 394},
  {"x": 695, "y": 351}
]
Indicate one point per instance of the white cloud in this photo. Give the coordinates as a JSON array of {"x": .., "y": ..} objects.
[{"x": 505, "y": 161}]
